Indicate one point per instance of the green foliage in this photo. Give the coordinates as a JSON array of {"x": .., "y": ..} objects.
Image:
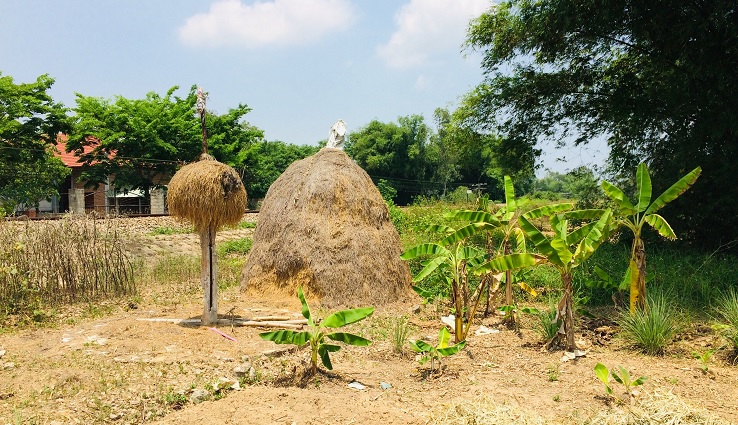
[
  {"x": 621, "y": 376},
  {"x": 318, "y": 332},
  {"x": 400, "y": 331},
  {"x": 168, "y": 230},
  {"x": 546, "y": 324},
  {"x": 240, "y": 246},
  {"x": 634, "y": 215},
  {"x": 626, "y": 72},
  {"x": 456, "y": 261},
  {"x": 580, "y": 184},
  {"x": 441, "y": 350},
  {"x": 263, "y": 162},
  {"x": 652, "y": 328},
  {"x": 503, "y": 222},
  {"x": 704, "y": 359},
  {"x": 727, "y": 310},
  {"x": 387, "y": 191},
  {"x": 567, "y": 249},
  {"x": 395, "y": 151},
  {"x": 29, "y": 123},
  {"x": 141, "y": 140}
]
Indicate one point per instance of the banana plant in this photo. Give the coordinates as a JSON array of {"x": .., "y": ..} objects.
[
  {"x": 318, "y": 332},
  {"x": 567, "y": 250},
  {"x": 456, "y": 261},
  {"x": 505, "y": 220},
  {"x": 634, "y": 217},
  {"x": 442, "y": 349}
]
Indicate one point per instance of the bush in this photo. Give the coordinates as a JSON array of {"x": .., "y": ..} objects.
[{"x": 653, "y": 328}]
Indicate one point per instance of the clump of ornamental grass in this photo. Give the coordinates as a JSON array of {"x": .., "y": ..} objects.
[
  {"x": 727, "y": 311},
  {"x": 651, "y": 328}
]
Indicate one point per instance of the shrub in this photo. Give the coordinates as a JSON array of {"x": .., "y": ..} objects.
[{"x": 652, "y": 328}]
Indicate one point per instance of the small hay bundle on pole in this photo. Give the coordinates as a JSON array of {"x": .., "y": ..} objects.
[
  {"x": 323, "y": 225},
  {"x": 209, "y": 194}
]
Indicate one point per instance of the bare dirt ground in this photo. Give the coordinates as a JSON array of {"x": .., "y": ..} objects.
[{"x": 119, "y": 367}]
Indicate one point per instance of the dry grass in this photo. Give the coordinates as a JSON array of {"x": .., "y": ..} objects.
[
  {"x": 64, "y": 261},
  {"x": 324, "y": 225},
  {"x": 208, "y": 193},
  {"x": 482, "y": 411},
  {"x": 657, "y": 408}
]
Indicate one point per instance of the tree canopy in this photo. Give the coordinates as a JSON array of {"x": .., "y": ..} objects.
[
  {"x": 143, "y": 141},
  {"x": 30, "y": 121},
  {"x": 656, "y": 78},
  {"x": 263, "y": 162}
]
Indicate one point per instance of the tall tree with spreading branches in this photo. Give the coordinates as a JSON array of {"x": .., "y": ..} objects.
[
  {"x": 30, "y": 121},
  {"x": 656, "y": 79}
]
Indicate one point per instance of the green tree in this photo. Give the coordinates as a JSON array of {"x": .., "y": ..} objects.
[
  {"x": 486, "y": 157},
  {"x": 566, "y": 249},
  {"x": 30, "y": 121},
  {"x": 656, "y": 79},
  {"x": 634, "y": 217},
  {"x": 263, "y": 162},
  {"x": 143, "y": 141}
]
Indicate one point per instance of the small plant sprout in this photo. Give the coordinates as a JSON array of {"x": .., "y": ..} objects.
[
  {"x": 704, "y": 359},
  {"x": 400, "y": 333},
  {"x": 317, "y": 333},
  {"x": 622, "y": 376},
  {"x": 603, "y": 374},
  {"x": 435, "y": 354}
]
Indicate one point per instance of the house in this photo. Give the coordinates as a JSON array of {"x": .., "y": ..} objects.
[{"x": 106, "y": 199}]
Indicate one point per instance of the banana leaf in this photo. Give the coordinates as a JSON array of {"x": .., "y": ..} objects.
[
  {"x": 617, "y": 195},
  {"x": 674, "y": 191},
  {"x": 345, "y": 317},
  {"x": 643, "y": 180},
  {"x": 661, "y": 226},
  {"x": 350, "y": 339}
]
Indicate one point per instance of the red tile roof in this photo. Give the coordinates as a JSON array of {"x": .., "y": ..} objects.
[{"x": 70, "y": 159}]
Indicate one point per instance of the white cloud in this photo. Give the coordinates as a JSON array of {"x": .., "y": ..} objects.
[
  {"x": 266, "y": 23},
  {"x": 425, "y": 27}
]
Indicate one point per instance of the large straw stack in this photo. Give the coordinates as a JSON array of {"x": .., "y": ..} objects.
[
  {"x": 210, "y": 195},
  {"x": 324, "y": 225}
]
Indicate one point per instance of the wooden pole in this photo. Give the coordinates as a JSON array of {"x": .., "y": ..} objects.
[{"x": 209, "y": 276}]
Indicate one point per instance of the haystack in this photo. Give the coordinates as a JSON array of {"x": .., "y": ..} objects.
[
  {"x": 323, "y": 225},
  {"x": 208, "y": 193}
]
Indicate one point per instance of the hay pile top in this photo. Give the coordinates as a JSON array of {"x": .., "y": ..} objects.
[
  {"x": 208, "y": 193},
  {"x": 324, "y": 225}
]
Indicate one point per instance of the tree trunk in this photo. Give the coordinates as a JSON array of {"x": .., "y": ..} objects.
[
  {"x": 508, "y": 279},
  {"x": 638, "y": 276},
  {"x": 565, "y": 313},
  {"x": 209, "y": 276},
  {"x": 458, "y": 318}
]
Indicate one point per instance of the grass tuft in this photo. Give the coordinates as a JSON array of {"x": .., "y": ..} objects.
[
  {"x": 727, "y": 310},
  {"x": 653, "y": 328}
]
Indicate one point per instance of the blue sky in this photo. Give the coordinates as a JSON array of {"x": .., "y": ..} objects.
[{"x": 299, "y": 64}]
